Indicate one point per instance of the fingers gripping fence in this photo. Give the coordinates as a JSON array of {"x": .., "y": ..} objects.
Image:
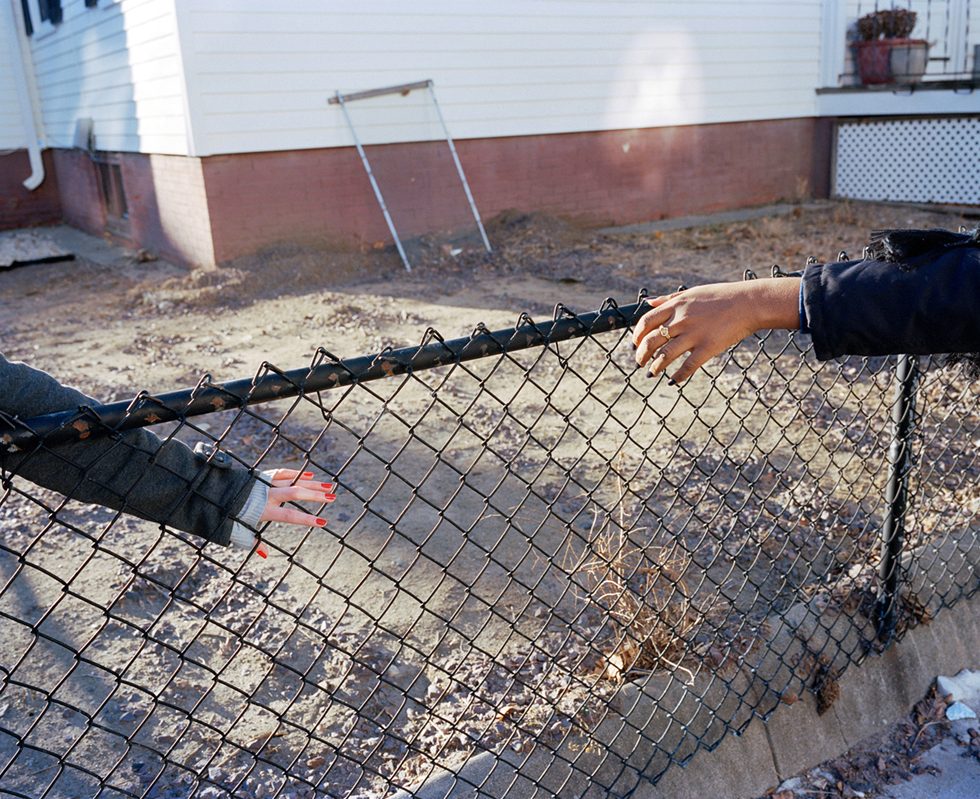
[{"x": 544, "y": 573}]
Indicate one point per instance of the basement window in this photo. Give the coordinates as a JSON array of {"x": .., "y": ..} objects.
[{"x": 113, "y": 193}]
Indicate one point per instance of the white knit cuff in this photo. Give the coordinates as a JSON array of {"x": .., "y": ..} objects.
[{"x": 248, "y": 516}]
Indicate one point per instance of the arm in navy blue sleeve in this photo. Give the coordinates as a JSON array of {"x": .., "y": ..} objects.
[{"x": 929, "y": 304}]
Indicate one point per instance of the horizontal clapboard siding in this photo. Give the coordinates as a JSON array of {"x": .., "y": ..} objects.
[
  {"x": 12, "y": 135},
  {"x": 118, "y": 63},
  {"x": 259, "y": 74}
]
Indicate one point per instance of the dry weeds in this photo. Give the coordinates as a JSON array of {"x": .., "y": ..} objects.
[{"x": 640, "y": 587}]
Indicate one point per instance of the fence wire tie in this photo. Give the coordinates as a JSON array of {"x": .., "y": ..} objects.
[
  {"x": 482, "y": 331},
  {"x": 144, "y": 405},
  {"x": 87, "y": 421},
  {"x": 276, "y": 388},
  {"x": 529, "y": 329},
  {"x": 203, "y": 383},
  {"x": 562, "y": 311},
  {"x": 14, "y": 423},
  {"x": 777, "y": 271},
  {"x": 430, "y": 338},
  {"x": 321, "y": 356},
  {"x": 430, "y": 335}
]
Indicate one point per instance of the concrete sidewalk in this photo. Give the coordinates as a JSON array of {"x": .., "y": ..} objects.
[{"x": 957, "y": 777}]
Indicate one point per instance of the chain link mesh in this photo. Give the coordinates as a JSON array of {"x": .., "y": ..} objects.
[{"x": 544, "y": 571}]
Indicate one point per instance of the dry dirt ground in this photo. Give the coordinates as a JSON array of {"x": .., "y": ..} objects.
[
  {"x": 464, "y": 595},
  {"x": 114, "y": 328}
]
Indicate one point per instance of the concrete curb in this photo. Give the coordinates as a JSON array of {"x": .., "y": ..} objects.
[
  {"x": 665, "y": 720},
  {"x": 872, "y": 697}
]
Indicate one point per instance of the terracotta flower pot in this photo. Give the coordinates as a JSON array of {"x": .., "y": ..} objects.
[
  {"x": 908, "y": 59},
  {"x": 873, "y": 60}
]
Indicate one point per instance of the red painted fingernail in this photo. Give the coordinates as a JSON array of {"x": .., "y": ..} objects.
[
  {"x": 320, "y": 522},
  {"x": 328, "y": 486},
  {"x": 261, "y": 552},
  {"x": 307, "y": 475},
  {"x": 330, "y": 497}
]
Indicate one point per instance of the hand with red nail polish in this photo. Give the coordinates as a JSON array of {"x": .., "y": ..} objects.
[
  {"x": 292, "y": 486},
  {"x": 283, "y": 486},
  {"x": 288, "y": 485}
]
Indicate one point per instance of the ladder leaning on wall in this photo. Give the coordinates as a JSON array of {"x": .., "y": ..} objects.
[{"x": 404, "y": 89}]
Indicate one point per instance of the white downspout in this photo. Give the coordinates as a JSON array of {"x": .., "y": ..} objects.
[{"x": 24, "y": 78}]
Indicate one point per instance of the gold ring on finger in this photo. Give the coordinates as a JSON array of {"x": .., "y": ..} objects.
[{"x": 664, "y": 331}]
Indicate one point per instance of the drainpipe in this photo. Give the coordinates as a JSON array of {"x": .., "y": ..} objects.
[{"x": 24, "y": 79}]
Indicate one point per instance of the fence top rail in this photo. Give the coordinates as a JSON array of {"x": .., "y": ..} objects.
[{"x": 326, "y": 371}]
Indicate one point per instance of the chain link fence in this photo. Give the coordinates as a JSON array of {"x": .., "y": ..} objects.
[{"x": 544, "y": 574}]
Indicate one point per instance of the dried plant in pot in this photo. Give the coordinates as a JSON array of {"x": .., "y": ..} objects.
[{"x": 884, "y": 52}]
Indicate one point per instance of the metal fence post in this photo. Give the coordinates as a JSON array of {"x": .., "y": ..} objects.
[{"x": 899, "y": 463}]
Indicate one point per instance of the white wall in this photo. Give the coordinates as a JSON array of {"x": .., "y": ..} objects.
[
  {"x": 973, "y": 40},
  {"x": 259, "y": 73},
  {"x": 119, "y": 64},
  {"x": 12, "y": 135}
]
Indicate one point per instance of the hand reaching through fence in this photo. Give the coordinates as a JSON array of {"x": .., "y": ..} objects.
[
  {"x": 201, "y": 491},
  {"x": 706, "y": 320},
  {"x": 287, "y": 485},
  {"x": 915, "y": 292}
]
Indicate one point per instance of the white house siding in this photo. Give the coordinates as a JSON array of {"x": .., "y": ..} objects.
[
  {"x": 119, "y": 64},
  {"x": 12, "y": 135},
  {"x": 973, "y": 36},
  {"x": 259, "y": 73}
]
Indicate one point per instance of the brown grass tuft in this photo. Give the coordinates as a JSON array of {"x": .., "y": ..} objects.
[{"x": 642, "y": 590}]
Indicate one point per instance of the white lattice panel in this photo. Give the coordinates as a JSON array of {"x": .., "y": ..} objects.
[{"x": 909, "y": 160}]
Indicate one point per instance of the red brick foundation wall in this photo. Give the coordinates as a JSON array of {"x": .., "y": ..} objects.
[
  {"x": 20, "y": 207},
  {"x": 201, "y": 211},
  {"x": 81, "y": 200},
  {"x": 168, "y": 212},
  {"x": 614, "y": 177}
]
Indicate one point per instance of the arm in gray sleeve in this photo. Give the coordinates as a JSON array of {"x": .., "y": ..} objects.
[
  {"x": 925, "y": 305},
  {"x": 133, "y": 472}
]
